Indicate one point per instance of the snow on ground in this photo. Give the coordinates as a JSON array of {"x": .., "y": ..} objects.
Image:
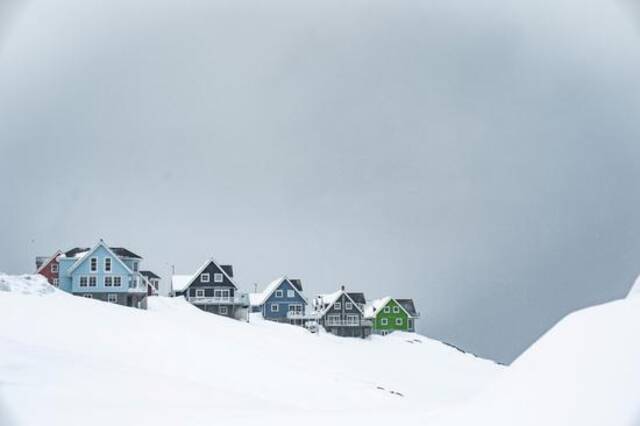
[
  {"x": 635, "y": 289},
  {"x": 585, "y": 371},
  {"x": 67, "y": 360}
]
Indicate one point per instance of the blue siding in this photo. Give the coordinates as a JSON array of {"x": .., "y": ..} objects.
[
  {"x": 282, "y": 302},
  {"x": 64, "y": 281},
  {"x": 84, "y": 269}
]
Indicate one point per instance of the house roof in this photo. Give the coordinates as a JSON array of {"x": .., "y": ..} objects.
[
  {"x": 149, "y": 275},
  {"x": 76, "y": 252},
  {"x": 297, "y": 283},
  {"x": 123, "y": 252},
  {"x": 327, "y": 300},
  {"x": 228, "y": 269},
  {"x": 408, "y": 306},
  {"x": 180, "y": 282},
  {"x": 259, "y": 298},
  {"x": 358, "y": 298},
  {"x": 82, "y": 256},
  {"x": 48, "y": 261},
  {"x": 181, "y": 285},
  {"x": 372, "y": 308}
]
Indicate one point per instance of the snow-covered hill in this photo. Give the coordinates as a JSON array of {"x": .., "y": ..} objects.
[
  {"x": 585, "y": 371},
  {"x": 66, "y": 360}
]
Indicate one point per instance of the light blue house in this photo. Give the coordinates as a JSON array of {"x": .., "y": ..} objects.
[
  {"x": 281, "y": 301},
  {"x": 105, "y": 273}
]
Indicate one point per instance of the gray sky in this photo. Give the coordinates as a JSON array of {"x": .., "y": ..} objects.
[{"x": 480, "y": 157}]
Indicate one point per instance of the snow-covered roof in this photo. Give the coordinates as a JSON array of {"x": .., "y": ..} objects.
[
  {"x": 323, "y": 302},
  {"x": 257, "y": 299},
  {"x": 375, "y": 305},
  {"x": 635, "y": 290},
  {"x": 180, "y": 282}
]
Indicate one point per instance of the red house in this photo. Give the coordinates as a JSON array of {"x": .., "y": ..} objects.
[{"x": 48, "y": 267}]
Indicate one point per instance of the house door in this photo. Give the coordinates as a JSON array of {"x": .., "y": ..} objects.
[{"x": 129, "y": 300}]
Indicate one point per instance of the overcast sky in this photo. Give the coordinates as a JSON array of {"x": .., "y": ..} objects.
[{"x": 482, "y": 157}]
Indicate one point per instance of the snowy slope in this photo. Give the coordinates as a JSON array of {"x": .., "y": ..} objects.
[
  {"x": 585, "y": 371},
  {"x": 635, "y": 289},
  {"x": 68, "y": 360}
]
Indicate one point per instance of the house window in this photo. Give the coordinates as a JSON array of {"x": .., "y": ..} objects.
[
  {"x": 112, "y": 298},
  {"x": 279, "y": 293},
  {"x": 93, "y": 281},
  {"x": 135, "y": 266},
  {"x": 348, "y": 306},
  {"x": 200, "y": 292},
  {"x": 107, "y": 264},
  {"x": 88, "y": 296},
  {"x": 290, "y": 294},
  {"x": 54, "y": 267},
  {"x": 205, "y": 278},
  {"x": 352, "y": 319},
  {"x": 55, "y": 282},
  {"x": 83, "y": 281},
  {"x": 117, "y": 281},
  {"x": 223, "y": 310},
  {"x": 94, "y": 264},
  {"x": 275, "y": 307},
  {"x": 338, "y": 306},
  {"x": 217, "y": 277},
  {"x": 398, "y": 321},
  {"x": 396, "y": 309},
  {"x": 108, "y": 281},
  {"x": 221, "y": 292},
  {"x": 387, "y": 309},
  {"x": 384, "y": 321}
]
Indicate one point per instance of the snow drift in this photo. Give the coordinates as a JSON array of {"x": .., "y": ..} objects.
[
  {"x": 585, "y": 371},
  {"x": 67, "y": 360}
]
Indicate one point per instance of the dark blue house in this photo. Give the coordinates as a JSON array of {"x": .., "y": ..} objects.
[{"x": 281, "y": 301}]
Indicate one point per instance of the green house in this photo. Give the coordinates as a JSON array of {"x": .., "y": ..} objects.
[{"x": 389, "y": 314}]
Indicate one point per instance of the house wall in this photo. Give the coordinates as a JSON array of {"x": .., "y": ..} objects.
[
  {"x": 352, "y": 331},
  {"x": 65, "y": 280},
  {"x": 84, "y": 269},
  {"x": 395, "y": 312},
  {"x": 283, "y": 302},
  {"x": 124, "y": 299},
  {"x": 48, "y": 273}
]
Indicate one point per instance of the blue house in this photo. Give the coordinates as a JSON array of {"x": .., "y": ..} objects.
[
  {"x": 281, "y": 301},
  {"x": 105, "y": 273}
]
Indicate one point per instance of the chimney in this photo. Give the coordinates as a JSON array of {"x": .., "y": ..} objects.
[{"x": 342, "y": 288}]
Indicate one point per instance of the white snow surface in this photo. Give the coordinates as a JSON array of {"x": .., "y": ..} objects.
[
  {"x": 585, "y": 371},
  {"x": 66, "y": 360},
  {"x": 635, "y": 290},
  {"x": 180, "y": 282}
]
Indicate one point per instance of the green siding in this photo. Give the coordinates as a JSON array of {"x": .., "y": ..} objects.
[{"x": 395, "y": 313}]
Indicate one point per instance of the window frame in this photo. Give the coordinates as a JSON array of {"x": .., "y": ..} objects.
[
  {"x": 85, "y": 279},
  {"x": 396, "y": 309},
  {"x": 87, "y": 296},
  {"x": 111, "y": 296},
  {"x": 54, "y": 267},
  {"x": 276, "y": 306},
  {"x": 107, "y": 281},
  {"x": 93, "y": 281},
  {"x": 387, "y": 309},
  {"x": 279, "y": 293},
  {"x": 218, "y": 277},
  {"x": 384, "y": 321},
  {"x": 205, "y": 277},
  {"x": 348, "y": 306},
  {"x": 117, "y": 279},
  {"x": 56, "y": 282},
  {"x": 223, "y": 310},
  {"x": 93, "y": 261},
  {"x": 110, "y": 262},
  {"x": 291, "y": 294},
  {"x": 337, "y": 306},
  {"x": 399, "y": 321},
  {"x": 200, "y": 291}
]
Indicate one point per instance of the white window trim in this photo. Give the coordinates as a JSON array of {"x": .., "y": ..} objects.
[
  {"x": 87, "y": 296},
  {"x": 279, "y": 293},
  {"x": 291, "y": 294},
  {"x": 54, "y": 267},
  {"x": 108, "y": 278},
  {"x": 112, "y": 296},
  {"x": 387, "y": 310},
  {"x": 348, "y": 306},
  {"x": 117, "y": 279},
  {"x": 199, "y": 292},
  {"x": 86, "y": 281},
  {"x": 91, "y": 264},
  {"x": 396, "y": 309},
  {"x": 384, "y": 321},
  {"x": 110, "y": 269},
  {"x": 93, "y": 278},
  {"x": 275, "y": 307},
  {"x": 218, "y": 277},
  {"x": 337, "y": 305},
  {"x": 223, "y": 310},
  {"x": 399, "y": 321},
  {"x": 56, "y": 282},
  {"x": 205, "y": 277}
]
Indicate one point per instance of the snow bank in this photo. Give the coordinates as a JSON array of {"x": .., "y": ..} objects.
[
  {"x": 26, "y": 284},
  {"x": 635, "y": 290},
  {"x": 80, "y": 361},
  {"x": 585, "y": 371}
]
